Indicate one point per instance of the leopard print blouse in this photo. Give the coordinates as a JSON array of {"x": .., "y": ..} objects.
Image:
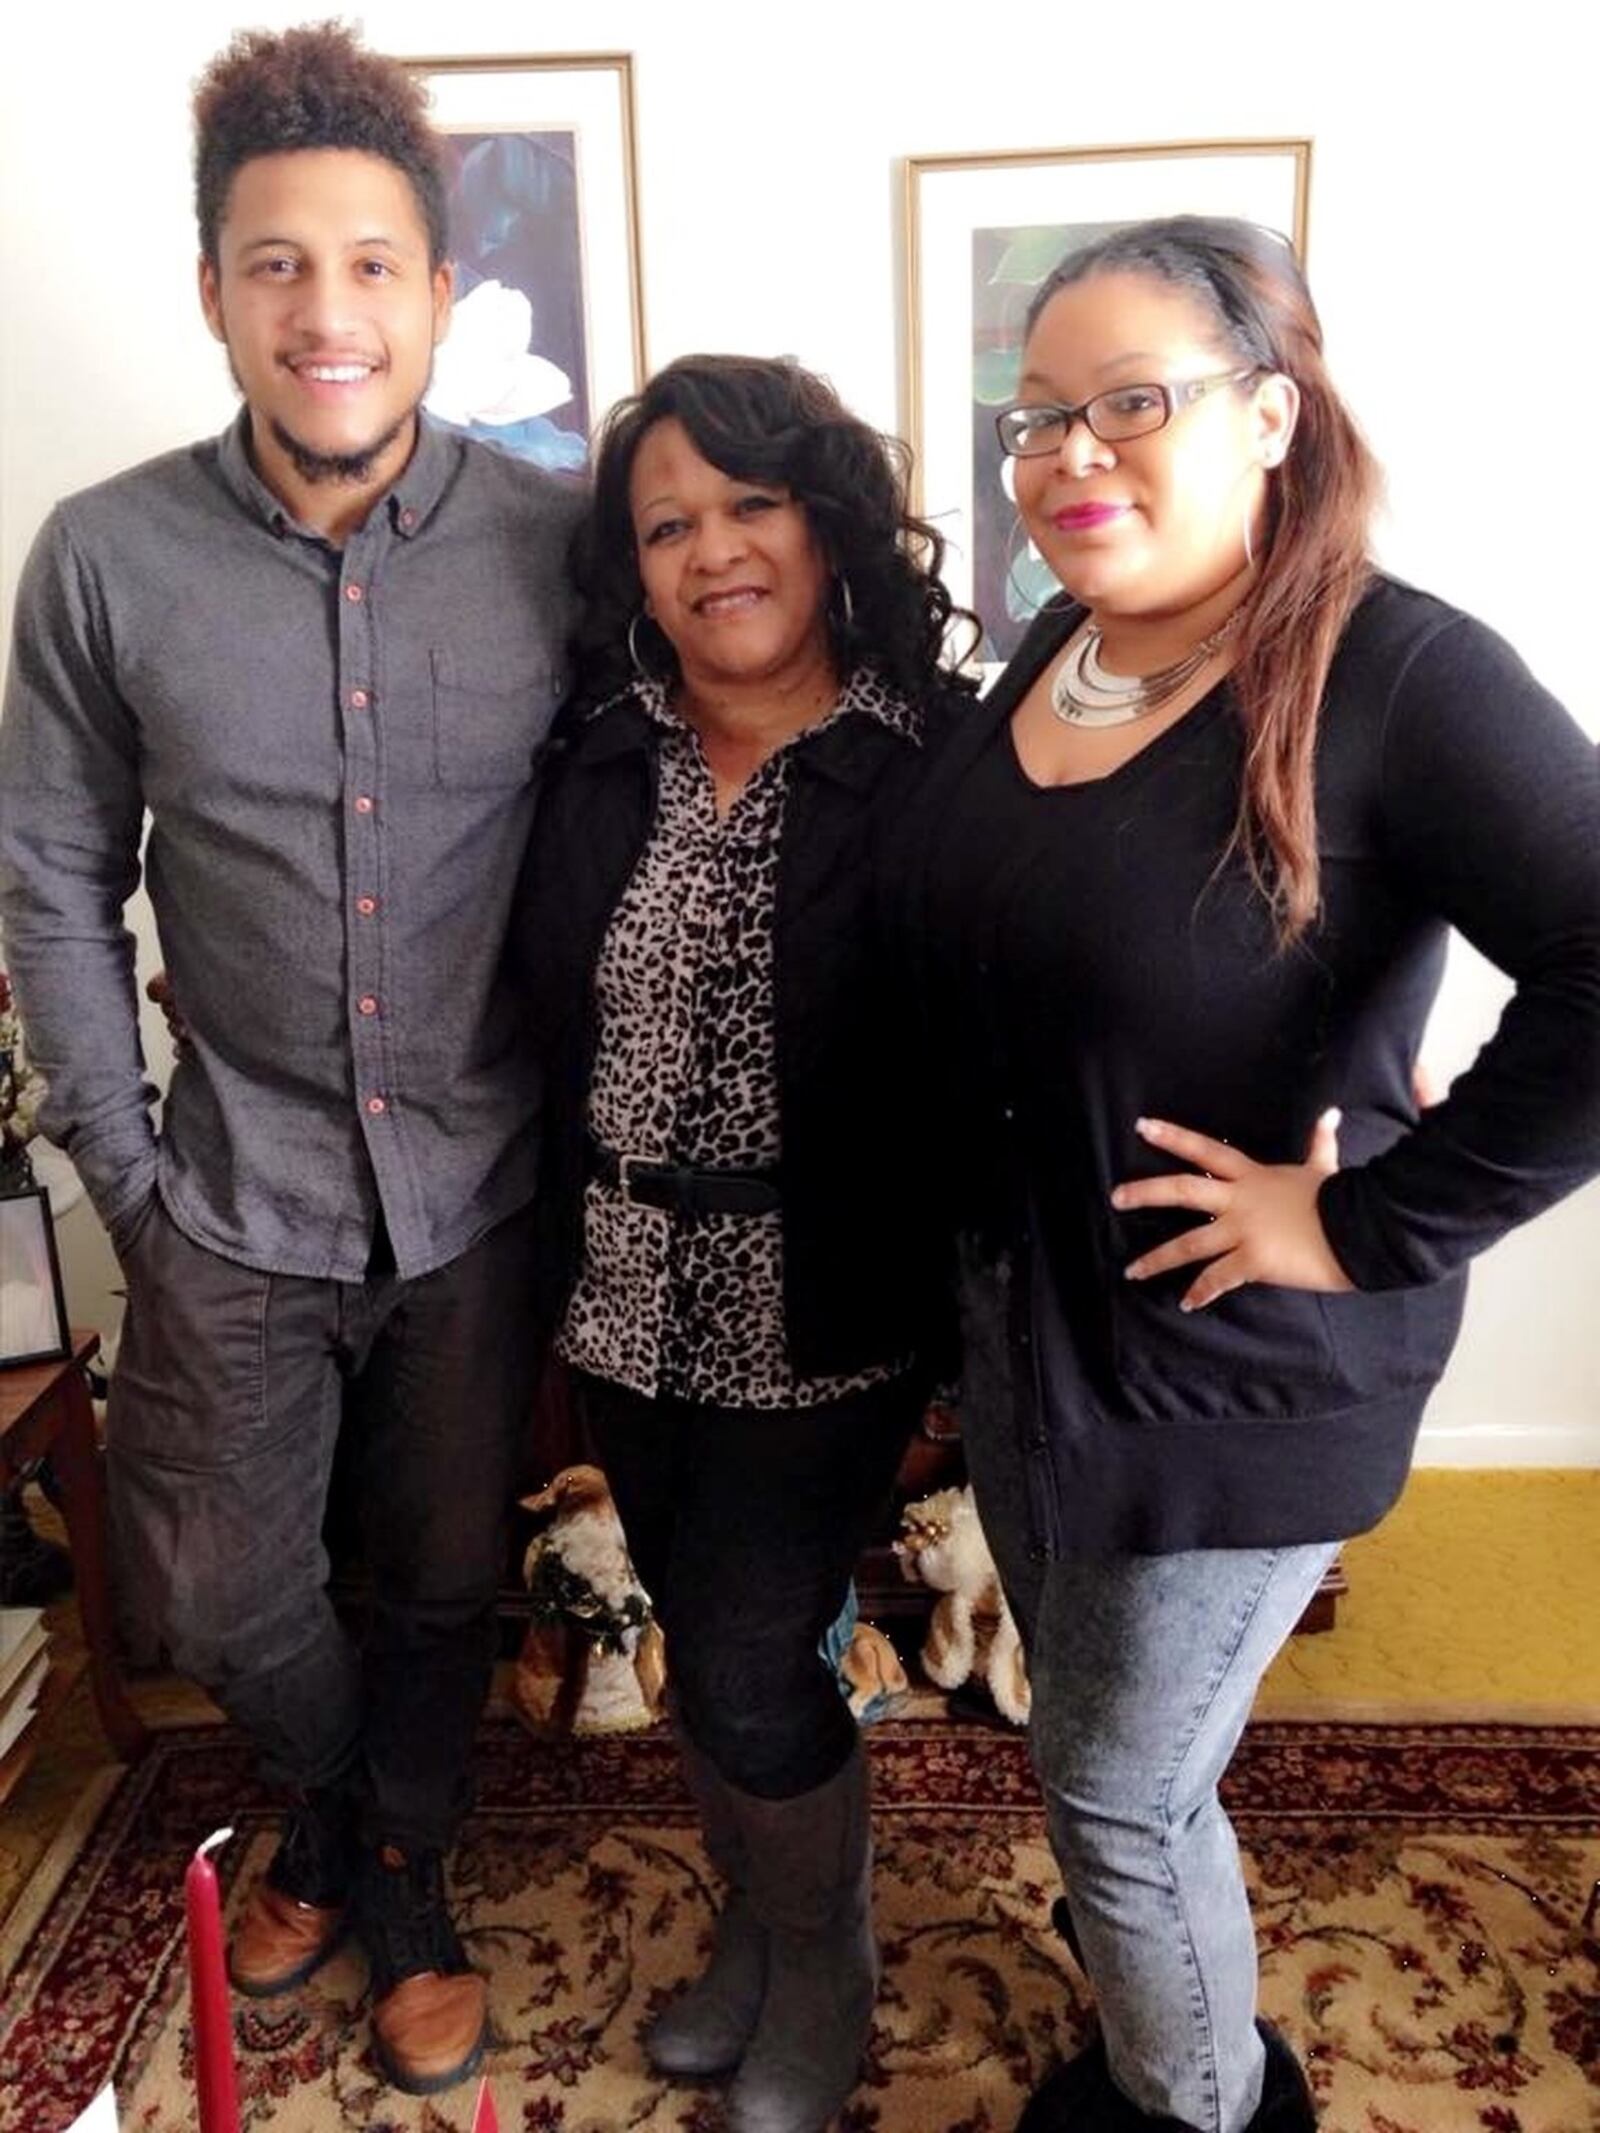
[{"x": 685, "y": 1072}]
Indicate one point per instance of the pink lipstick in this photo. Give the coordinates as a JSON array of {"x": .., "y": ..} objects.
[{"x": 1078, "y": 518}]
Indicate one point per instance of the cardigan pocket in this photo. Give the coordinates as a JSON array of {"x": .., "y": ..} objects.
[
  {"x": 1263, "y": 1353},
  {"x": 1384, "y": 1340},
  {"x": 1258, "y": 1354}
]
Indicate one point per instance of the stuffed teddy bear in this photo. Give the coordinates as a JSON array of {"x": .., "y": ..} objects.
[
  {"x": 971, "y": 1629},
  {"x": 591, "y": 1661}
]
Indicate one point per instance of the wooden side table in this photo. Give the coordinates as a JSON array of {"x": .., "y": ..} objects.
[{"x": 45, "y": 1409}]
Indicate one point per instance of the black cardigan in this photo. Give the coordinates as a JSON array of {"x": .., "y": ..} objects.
[
  {"x": 862, "y": 1264},
  {"x": 1084, "y": 963}
]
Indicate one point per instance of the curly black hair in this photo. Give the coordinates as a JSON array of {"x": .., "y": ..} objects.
[
  {"x": 767, "y": 420},
  {"x": 312, "y": 87}
]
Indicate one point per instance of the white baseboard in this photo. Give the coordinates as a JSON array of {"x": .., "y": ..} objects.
[{"x": 1511, "y": 1444}]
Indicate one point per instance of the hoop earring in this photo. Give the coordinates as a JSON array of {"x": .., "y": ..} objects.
[
  {"x": 639, "y": 666},
  {"x": 847, "y": 606},
  {"x": 1249, "y": 547},
  {"x": 1017, "y": 541}
]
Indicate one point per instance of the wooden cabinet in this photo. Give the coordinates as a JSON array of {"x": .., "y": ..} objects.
[{"x": 45, "y": 1412}]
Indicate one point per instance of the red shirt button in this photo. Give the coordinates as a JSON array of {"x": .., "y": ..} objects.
[
  {"x": 359, "y": 699},
  {"x": 363, "y": 803},
  {"x": 367, "y": 1004},
  {"x": 353, "y": 592},
  {"x": 376, "y": 1106},
  {"x": 366, "y": 905}
]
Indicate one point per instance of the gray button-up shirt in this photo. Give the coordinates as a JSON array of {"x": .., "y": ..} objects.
[{"x": 336, "y": 749}]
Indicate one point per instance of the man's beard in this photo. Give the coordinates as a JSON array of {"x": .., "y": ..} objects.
[{"x": 348, "y": 467}]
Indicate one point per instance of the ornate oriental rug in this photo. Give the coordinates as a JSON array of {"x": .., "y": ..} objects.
[{"x": 1426, "y": 1899}]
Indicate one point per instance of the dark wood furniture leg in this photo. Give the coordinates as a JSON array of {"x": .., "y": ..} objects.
[
  {"x": 46, "y": 1413},
  {"x": 76, "y": 1459}
]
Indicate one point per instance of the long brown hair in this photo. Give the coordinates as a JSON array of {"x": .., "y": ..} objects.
[{"x": 1315, "y": 563}]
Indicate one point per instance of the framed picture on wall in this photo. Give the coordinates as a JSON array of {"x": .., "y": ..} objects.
[
  {"x": 982, "y": 232},
  {"x": 33, "y": 1307},
  {"x": 548, "y": 327}
]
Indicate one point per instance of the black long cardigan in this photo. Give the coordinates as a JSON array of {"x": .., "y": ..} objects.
[{"x": 862, "y": 1260}]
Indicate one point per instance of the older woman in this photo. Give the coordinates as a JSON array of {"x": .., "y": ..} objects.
[
  {"x": 736, "y": 1212},
  {"x": 1195, "y": 861}
]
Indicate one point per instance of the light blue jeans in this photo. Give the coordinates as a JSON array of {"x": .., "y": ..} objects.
[{"x": 1143, "y": 1671}]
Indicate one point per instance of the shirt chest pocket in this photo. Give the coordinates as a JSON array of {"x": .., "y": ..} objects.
[{"x": 490, "y": 721}]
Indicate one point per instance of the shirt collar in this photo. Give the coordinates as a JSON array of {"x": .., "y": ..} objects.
[
  {"x": 410, "y": 502},
  {"x": 867, "y": 692},
  {"x": 415, "y": 496}
]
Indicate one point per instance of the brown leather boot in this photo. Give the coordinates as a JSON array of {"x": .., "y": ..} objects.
[
  {"x": 294, "y": 1917},
  {"x": 430, "y": 2008},
  {"x": 279, "y": 1941}
]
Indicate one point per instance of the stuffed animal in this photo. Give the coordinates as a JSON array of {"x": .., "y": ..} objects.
[
  {"x": 591, "y": 1661},
  {"x": 871, "y": 1678},
  {"x": 971, "y": 1630},
  {"x": 871, "y": 1673}
]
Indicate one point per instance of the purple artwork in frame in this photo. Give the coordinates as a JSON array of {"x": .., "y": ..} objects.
[{"x": 547, "y": 330}]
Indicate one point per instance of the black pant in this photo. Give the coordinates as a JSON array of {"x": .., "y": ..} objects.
[
  {"x": 230, "y": 1390},
  {"x": 744, "y": 1529}
]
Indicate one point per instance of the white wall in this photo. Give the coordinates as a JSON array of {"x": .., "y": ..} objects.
[{"x": 1450, "y": 247}]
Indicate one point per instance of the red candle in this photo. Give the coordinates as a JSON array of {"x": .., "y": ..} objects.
[{"x": 210, "y": 2011}]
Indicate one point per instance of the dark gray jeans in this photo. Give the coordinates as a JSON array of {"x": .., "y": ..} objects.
[
  {"x": 745, "y": 1529},
  {"x": 230, "y": 1389}
]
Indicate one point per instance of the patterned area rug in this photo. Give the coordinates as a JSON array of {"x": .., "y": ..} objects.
[{"x": 1426, "y": 1900}]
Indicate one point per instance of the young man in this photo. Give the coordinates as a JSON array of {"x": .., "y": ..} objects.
[{"x": 322, "y": 652}]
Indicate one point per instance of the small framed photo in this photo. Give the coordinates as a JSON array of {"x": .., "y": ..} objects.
[
  {"x": 33, "y": 1305},
  {"x": 982, "y": 232},
  {"x": 548, "y": 325}
]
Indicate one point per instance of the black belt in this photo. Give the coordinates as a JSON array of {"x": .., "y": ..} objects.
[{"x": 683, "y": 1190}]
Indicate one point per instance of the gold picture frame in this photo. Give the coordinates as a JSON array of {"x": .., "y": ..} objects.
[
  {"x": 981, "y": 230},
  {"x": 549, "y": 325}
]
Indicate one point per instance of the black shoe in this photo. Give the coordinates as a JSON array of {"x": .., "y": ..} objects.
[
  {"x": 1061, "y": 1919},
  {"x": 1287, "y": 2105},
  {"x": 1078, "y": 2087},
  {"x": 1081, "y": 2097}
]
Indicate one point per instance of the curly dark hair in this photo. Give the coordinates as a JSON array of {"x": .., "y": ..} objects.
[
  {"x": 767, "y": 420},
  {"x": 312, "y": 87}
]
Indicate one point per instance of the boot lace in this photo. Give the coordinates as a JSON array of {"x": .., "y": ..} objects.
[
  {"x": 405, "y": 1920},
  {"x": 312, "y": 1863}
]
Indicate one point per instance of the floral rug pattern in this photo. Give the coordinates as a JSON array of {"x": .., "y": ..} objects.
[{"x": 1426, "y": 1901}]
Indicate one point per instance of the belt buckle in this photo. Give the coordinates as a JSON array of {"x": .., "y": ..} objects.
[{"x": 626, "y": 1166}]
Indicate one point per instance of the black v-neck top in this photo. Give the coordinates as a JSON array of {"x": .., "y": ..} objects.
[{"x": 1085, "y": 955}]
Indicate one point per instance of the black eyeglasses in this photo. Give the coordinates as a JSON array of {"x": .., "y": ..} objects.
[{"x": 1034, "y": 428}]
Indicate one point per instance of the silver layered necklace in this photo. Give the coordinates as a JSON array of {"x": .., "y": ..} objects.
[{"x": 1084, "y": 694}]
